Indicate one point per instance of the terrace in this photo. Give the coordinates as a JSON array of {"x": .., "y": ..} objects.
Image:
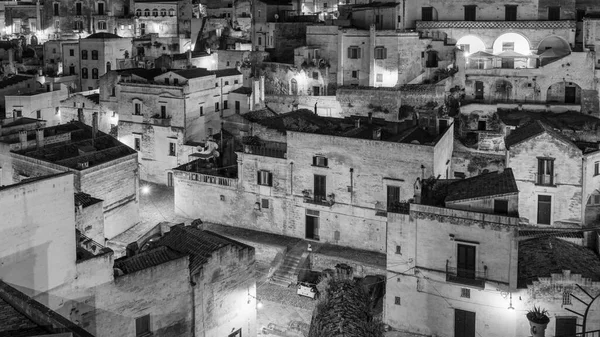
[{"x": 204, "y": 171}]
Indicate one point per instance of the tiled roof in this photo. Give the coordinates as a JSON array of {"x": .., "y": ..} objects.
[
  {"x": 542, "y": 257},
  {"x": 483, "y": 185},
  {"x": 103, "y": 35},
  {"x": 85, "y": 199},
  {"x": 94, "y": 98},
  {"x": 533, "y": 129},
  {"x": 146, "y": 259},
  {"x": 243, "y": 91},
  {"x": 20, "y": 121},
  {"x": 260, "y": 114},
  {"x": 199, "y": 244},
  {"x": 227, "y": 72},
  {"x": 13, "y": 80},
  {"x": 148, "y": 74},
  {"x": 193, "y": 72},
  {"x": 15, "y": 324},
  {"x": 550, "y": 233}
]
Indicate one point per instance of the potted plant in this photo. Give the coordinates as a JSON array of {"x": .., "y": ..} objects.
[{"x": 538, "y": 321}]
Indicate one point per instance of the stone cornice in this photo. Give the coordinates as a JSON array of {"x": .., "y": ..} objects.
[{"x": 421, "y": 25}]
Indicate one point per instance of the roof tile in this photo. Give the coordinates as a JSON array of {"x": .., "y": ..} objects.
[{"x": 483, "y": 185}]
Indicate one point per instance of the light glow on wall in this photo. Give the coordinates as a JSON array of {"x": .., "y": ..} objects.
[
  {"x": 521, "y": 45},
  {"x": 475, "y": 44}
]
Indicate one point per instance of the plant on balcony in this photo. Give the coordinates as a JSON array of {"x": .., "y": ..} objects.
[
  {"x": 538, "y": 321},
  {"x": 306, "y": 193},
  {"x": 331, "y": 198}
]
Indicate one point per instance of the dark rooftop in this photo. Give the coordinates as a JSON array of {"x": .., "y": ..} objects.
[
  {"x": 483, "y": 185},
  {"x": 243, "y": 91},
  {"x": 13, "y": 80},
  {"x": 260, "y": 114},
  {"x": 94, "y": 98},
  {"x": 148, "y": 74},
  {"x": 226, "y": 72},
  {"x": 557, "y": 234},
  {"x": 19, "y": 121},
  {"x": 15, "y": 324},
  {"x": 193, "y": 72},
  {"x": 103, "y": 35},
  {"x": 542, "y": 257},
  {"x": 376, "y": 5},
  {"x": 105, "y": 148},
  {"x": 146, "y": 259},
  {"x": 532, "y": 129},
  {"x": 85, "y": 199},
  {"x": 32, "y": 180}
]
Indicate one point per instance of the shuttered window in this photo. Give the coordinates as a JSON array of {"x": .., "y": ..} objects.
[{"x": 264, "y": 178}]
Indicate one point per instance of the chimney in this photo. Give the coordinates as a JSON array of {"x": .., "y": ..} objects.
[
  {"x": 94, "y": 126},
  {"x": 23, "y": 139},
  {"x": 39, "y": 137},
  {"x": 370, "y": 118},
  {"x": 357, "y": 123},
  {"x": 376, "y": 133}
]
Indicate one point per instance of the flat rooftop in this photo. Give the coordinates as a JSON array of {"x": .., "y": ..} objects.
[
  {"x": 80, "y": 148},
  {"x": 304, "y": 120}
]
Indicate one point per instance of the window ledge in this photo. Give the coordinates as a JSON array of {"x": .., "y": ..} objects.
[
  {"x": 320, "y": 166},
  {"x": 545, "y": 185}
]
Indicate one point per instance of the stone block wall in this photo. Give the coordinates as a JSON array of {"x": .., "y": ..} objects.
[{"x": 326, "y": 105}]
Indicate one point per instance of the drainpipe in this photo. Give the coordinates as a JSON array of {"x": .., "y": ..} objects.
[{"x": 292, "y": 179}]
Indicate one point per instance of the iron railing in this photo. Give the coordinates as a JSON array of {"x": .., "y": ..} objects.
[
  {"x": 594, "y": 333},
  {"x": 271, "y": 149},
  {"x": 466, "y": 276},
  {"x": 210, "y": 179}
]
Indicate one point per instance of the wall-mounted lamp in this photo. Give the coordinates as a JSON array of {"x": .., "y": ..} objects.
[{"x": 510, "y": 307}]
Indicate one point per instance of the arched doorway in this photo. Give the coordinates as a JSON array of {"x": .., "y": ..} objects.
[
  {"x": 294, "y": 87},
  {"x": 470, "y": 44},
  {"x": 503, "y": 91},
  {"x": 564, "y": 92},
  {"x": 34, "y": 40}
]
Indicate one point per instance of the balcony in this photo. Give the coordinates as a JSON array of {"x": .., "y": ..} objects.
[
  {"x": 160, "y": 121},
  {"x": 321, "y": 200},
  {"x": 267, "y": 149},
  {"x": 544, "y": 179},
  {"x": 215, "y": 180},
  {"x": 500, "y": 25},
  {"x": 467, "y": 277}
]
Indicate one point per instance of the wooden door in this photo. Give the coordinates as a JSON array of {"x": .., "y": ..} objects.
[
  {"x": 478, "y": 90},
  {"x": 464, "y": 323}
]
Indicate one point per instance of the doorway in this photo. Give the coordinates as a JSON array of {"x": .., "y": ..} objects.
[
  {"x": 312, "y": 224},
  {"x": 478, "y": 90},
  {"x": 566, "y": 326},
  {"x": 464, "y": 323},
  {"x": 570, "y": 95},
  {"x": 316, "y": 91}
]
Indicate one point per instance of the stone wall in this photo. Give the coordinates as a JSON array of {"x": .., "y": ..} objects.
[
  {"x": 326, "y": 105},
  {"x": 90, "y": 221},
  {"x": 473, "y": 163},
  {"x": 320, "y": 262},
  {"x": 286, "y": 37}
]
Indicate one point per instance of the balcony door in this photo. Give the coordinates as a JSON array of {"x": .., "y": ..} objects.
[
  {"x": 465, "y": 267},
  {"x": 320, "y": 186},
  {"x": 544, "y": 209},
  {"x": 464, "y": 323},
  {"x": 570, "y": 95},
  {"x": 312, "y": 224}
]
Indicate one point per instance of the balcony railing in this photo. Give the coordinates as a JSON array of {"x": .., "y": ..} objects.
[
  {"x": 322, "y": 200},
  {"x": 209, "y": 179},
  {"x": 496, "y": 25},
  {"x": 161, "y": 121},
  {"x": 272, "y": 149},
  {"x": 464, "y": 276},
  {"x": 399, "y": 207},
  {"x": 88, "y": 248}
]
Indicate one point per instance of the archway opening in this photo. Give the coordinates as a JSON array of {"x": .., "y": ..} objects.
[
  {"x": 470, "y": 44},
  {"x": 564, "y": 92},
  {"x": 554, "y": 42},
  {"x": 513, "y": 50}
]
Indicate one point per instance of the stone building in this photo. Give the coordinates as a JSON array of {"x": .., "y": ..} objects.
[
  {"x": 476, "y": 270},
  {"x": 167, "y": 18},
  {"x": 98, "y": 53},
  {"x": 103, "y": 167},
  {"x": 42, "y": 103},
  {"x": 324, "y": 179},
  {"x": 25, "y": 21},
  {"x": 164, "y": 115},
  {"x": 82, "y": 107},
  {"x": 556, "y": 178}
]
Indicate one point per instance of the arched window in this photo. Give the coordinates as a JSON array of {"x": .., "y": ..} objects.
[
  {"x": 95, "y": 73},
  {"x": 155, "y": 12},
  {"x": 294, "y": 87},
  {"x": 107, "y": 66},
  {"x": 171, "y": 12},
  {"x": 163, "y": 12},
  {"x": 84, "y": 73},
  {"x": 138, "y": 12},
  {"x": 84, "y": 55},
  {"x": 146, "y": 12},
  {"x": 94, "y": 54}
]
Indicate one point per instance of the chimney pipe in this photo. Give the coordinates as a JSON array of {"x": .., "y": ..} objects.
[
  {"x": 23, "y": 139},
  {"x": 94, "y": 126},
  {"x": 370, "y": 118},
  {"x": 39, "y": 137}
]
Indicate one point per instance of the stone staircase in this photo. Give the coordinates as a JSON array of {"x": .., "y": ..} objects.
[{"x": 287, "y": 273}]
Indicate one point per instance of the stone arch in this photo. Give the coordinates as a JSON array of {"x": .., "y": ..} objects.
[
  {"x": 554, "y": 42},
  {"x": 564, "y": 92},
  {"x": 520, "y": 43},
  {"x": 470, "y": 44}
]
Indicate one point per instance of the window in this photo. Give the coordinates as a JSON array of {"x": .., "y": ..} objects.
[
  {"x": 84, "y": 54},
  {"x": 216, "y": 106},
  {"x": 57, "y": 24},
  {"x": 465, "y": 292},
  {"x": 471, "y": 13},
  {"x": 380, "y": 53},
  {"x": 320, "y": 187},
  {"x": 142, "y": 325},
  {"x": 137, "y": 144},
  {"x": 354, "y": 74},
  {"x": 163, "y": 111},
  {"x": 325, "y": 5},
  {"x": 56, "y": 9},
  {"x": 566, "y": 326},
  {"x": 84, "y": 73},
  {"x": 544, "y": 209},
  {"x": 354, "y": 52},
  {"x": 508, "y": 46},
  {"x": 500, "y": 206},
  {"x": 138, "y": 12},
  {"x": 237, "y": 106},
  {"x": 155, "y": 12},
  {"x": 236, "y": 82},
  {"x": 175, "y": 81},
  {"x": 113, "y": 91},
  {"x": 432, "y": 59},
  {"x": 260, "y": 41},
  {"x": 94, "y": 54},
  {"x": 101, "y": 8},
  {"x": 102, "y": 25},
  {"x": 566, "y": 297},
  {"x": 201, "y": 110},
  {"x": 580, "y": 15},
  {"x": 315, "y": 75},
  {"x": 545, "y": 171},
  {"x": 137, "y": 109},
  {"x": 166, "y": 81},
  {"x": 108, "y": 66},
  {"x": 264, "y": 178},
  {"x": 264, "y": 203},
  {"x": 163, "y": 12},
  {"x": 399, "y": 250},
  {"x": 172, "y": 149},
  {"x": 553, "y": 13},
  {"x": 217, "y": 85},
  {"x": 226, "y": 83},
  {"x": 426, "y": 13},
  {"x": 465, "y": 266},
  {"x": 171, "y": 12},
  {"x": 379, "y": 78},
  {"x": 71, "y": 70},
  {"x": 596, "y": 168},
  {"x": 38, "y": 114},
  {"x": 393, "y": 197},
  {"x": 397, "y": 300},
  {"x": 146, "y": 12},
  {"x": 319, "y": 161},
  {"x": 95, "y": 73},
  {"x": 225, "y": 105},
  {"x": 510, "y": 13},
  {"x": 78, "y": 7},
  {"x": 17, "y": 113}
]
